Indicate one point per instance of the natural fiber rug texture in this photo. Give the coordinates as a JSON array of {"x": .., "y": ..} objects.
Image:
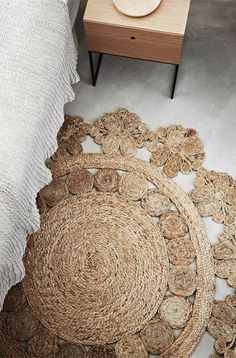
[{"x": 122, "y": 266}]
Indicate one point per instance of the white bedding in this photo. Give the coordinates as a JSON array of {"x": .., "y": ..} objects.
[{"x": 37, "y": 67}]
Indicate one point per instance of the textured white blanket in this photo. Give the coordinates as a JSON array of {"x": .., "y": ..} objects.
[{"x": 37, "y": 67}]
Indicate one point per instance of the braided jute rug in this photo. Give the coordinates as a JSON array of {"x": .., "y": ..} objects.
[{"x": 122, "y": 265}]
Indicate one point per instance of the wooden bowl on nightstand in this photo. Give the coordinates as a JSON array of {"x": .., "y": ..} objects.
[{"x": 136, "y": 8}]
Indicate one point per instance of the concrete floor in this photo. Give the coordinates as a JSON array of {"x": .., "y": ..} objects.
[{"x": 205, "y": 96}]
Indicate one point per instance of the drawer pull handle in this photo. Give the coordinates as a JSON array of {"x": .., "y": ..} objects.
[{"x": 132, "y": 37}]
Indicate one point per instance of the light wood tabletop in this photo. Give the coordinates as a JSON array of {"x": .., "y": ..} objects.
[{"x": 170, "y": 17}]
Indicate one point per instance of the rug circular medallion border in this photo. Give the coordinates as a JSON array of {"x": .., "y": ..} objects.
[{"x": 122, "y": 255}]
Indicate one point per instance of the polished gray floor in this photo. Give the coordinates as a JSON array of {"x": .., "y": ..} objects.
[{"x": 205, "y": 96}]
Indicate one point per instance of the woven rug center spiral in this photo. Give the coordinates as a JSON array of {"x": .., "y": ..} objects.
[{"x": 111, "y": 269}]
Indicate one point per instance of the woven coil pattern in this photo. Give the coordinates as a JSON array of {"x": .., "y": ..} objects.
[
  {"x": 184, "y": 220},
  {"x": 121, "y": 266},
  {"x": 111, "y": 269}
]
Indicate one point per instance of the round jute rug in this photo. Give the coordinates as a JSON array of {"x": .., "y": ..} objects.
[{"x": 122, "y": 266}]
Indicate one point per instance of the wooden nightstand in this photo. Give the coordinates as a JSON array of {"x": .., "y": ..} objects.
[{"x": 157, "y": 37}]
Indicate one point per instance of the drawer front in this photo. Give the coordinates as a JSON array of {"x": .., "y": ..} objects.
[{"x": 147, "y": 45}]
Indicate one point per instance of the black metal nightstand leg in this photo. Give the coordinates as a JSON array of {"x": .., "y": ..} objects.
[
  {"x": 174, "y": 82},
  {"x": 94, "y": 73}
]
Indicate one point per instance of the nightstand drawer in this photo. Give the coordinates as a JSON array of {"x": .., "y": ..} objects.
[{"x": 136, "y": 43}]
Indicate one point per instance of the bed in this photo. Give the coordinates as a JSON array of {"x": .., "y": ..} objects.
[{"x": 37, "y": 67}]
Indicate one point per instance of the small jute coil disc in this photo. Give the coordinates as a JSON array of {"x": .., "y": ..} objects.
[
  {"x": 69, "y": 350},
  {"x": 181, "y": 252},
  {"x": 97, "y": 269},
  {"x": 224, "y": 251},
  {"x": 43, "y": 343},
  {"x": 220, "y": 346},
  {"x": 231, "y": 300},
  {"x": 22, "y": 324},
  {"x": 220, "y": 329},
  {"x": 54, "y": 193},
  {"x": 70, "y": 126},
  {"x": 172, "y": 225},
  {"x": 41, "y": 205},
  {"x": 131, "y": 347},
  {"x": 80, "y": 181},
  {"x": 176, "y": 311},
  {"x": 231, "y": 353},
  {"x": 232, "y": 280},
  {"x": 106, "y": 180},
  {"x": 222, "y": 310},
  {"x": 101, "y": 352},
  {"x": 225, "y": 268},
  {"x": 157, "y": 336},
  {"x": 61, "y": 152},
  {"x": 133, "y": 186},
  {"x": 9, "y": 347},
  {"x": 182, "y": 280},
  {"x": 73, "y": 145},
  {"x": 155, "y": 203},
  {"x": 15, "y": 298}
]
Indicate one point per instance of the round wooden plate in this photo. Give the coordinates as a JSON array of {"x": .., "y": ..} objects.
[{"x": 136, "y": 8}]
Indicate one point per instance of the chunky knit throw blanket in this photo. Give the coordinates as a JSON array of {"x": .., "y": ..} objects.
[{"x": 37, "y": 67}]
